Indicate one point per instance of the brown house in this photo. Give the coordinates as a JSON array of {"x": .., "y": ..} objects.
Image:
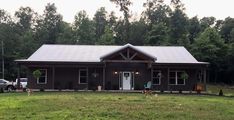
[{"x": 128, "y": 67}]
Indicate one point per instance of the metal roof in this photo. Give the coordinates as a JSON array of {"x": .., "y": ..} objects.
[{"x": 93, "y": 53}]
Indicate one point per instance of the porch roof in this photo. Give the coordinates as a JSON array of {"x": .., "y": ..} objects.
[{"x": 93, "y": 53}]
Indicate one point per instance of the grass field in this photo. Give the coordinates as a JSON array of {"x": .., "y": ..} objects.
[
  {"x": 111, "y": 106},
  {"x": 214, "y": 89}
]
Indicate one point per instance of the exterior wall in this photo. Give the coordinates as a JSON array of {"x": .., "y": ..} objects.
[
  {"x": 67, "y": 77},
  {"x": 94, "y": 81},
  {"x": 32, "y": 82},
  {"x": 189, "y": 83},
  {"x": 164, "y": 79},
  {"x": 112, "y": 80}
]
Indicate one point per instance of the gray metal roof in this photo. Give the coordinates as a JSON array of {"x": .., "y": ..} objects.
[{"x": 93, "y": 53}]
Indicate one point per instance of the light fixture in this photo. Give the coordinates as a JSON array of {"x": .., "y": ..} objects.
[
  {"x": 95, "y": 74},
  {"x": 115, "y": 72},
  {"x": 137, "y": 73}
]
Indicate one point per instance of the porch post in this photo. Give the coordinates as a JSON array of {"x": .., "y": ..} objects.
[
  {"x": 87, "y": 78},
  {"x": 53, "y": 75},
  {"x": 168, "y": 75},
  {"x": 18, "y": 77},
  {"x": 151, "y": 76},
  {"x": 204, "y": 71},
  {"x": 104, "y": 77}
]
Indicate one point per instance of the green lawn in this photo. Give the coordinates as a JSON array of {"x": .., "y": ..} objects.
[
  {"x": 111, "y": 106},
  {"x": 214, "y": 89}
]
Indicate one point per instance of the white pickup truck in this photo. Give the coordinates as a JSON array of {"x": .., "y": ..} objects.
[{"x": 23, "y": 83}]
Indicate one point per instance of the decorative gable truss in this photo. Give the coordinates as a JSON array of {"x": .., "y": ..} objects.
[{"x": 128, "y": 53}]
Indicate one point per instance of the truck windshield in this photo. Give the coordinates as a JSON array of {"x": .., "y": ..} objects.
[{"x": 23, "y": 80}]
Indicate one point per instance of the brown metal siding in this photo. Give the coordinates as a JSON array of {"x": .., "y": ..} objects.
[
  {"x": 112, "y": 80},
  {"x": 93, "y": 81},
  {"x": 67, "y": 77},
  {"x": 32, "y": 82}
]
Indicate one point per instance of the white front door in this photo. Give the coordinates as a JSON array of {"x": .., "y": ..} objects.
[{"x": 126, "y": 80}]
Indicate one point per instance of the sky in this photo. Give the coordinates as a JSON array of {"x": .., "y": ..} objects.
[{"x": 68, "y": 8}]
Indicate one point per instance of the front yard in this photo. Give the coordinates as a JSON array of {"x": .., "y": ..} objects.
[{"x": 124, "y": 106}]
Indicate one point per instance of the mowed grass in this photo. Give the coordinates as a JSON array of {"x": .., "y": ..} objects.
[
  {"x": 113, "y": 106},
  {"x": 214, "y": 89}
]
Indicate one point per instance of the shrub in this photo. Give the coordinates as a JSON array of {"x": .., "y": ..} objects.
[
  {"x": 1, "y": 90},
  {"x": 180, "y": 91},
  {"x": 37, "y": 74},
  {"x": 221, "y": 92},
  {"x": 42, "y": 90}
]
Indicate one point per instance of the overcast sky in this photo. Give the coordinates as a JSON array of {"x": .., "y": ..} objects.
[{"x": 68, "y": 8}]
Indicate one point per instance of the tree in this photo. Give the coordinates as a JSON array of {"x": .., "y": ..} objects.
[
  {"x": 26, "y": 18},
  {"x": 194, "y": 28},
  {"x": 100, "y": 22},
  {"x": 107, "y": 38},
  {"x": 159, "y": 35},
  {"x": 9, "y": 37},
  {"x": 178, "y": 28},
  {"x": 84, "y": 29},
  {"x": 49, "y": 26},
  {"x": 137, "y": 32},
  {"x": 66, "y": 35},
  {"x": 207, "y": 22},
  {"x": 231, "y": 36},
  {"x": 209, "y": 46},
  {"x": 112, "y": 20},
  {"x": 124, "y": 4},
  {"x": 228, "y": 25},
  {"x": 4, "y": 17},
  {"x": 218, "y": 24},
  {"x": 156, "y": 12},
  {"x": 230, "y": 69},
  {"x": 177, "y": 4}
]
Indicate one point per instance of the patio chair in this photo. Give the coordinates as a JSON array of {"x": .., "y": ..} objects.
[{"x": 147, "y": 88}]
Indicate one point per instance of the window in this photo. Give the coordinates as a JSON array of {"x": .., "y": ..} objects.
[
  {"x": 43, "y": 78},
  {"x": 2, "y": 82},
  {"x": 83, "y": 76},
  {"x": 156, "y": 78},
  {"x": 180, "y": 80},
  {"x": 175, "y": 78}
]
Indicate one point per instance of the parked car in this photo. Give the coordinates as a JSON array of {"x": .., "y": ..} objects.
[
  {"x": 5, "y": 84},
  {"x": 23, "y": 83}
]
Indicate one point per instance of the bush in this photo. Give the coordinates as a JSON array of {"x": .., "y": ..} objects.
[
  {"x": 221, "y": 92},
  {"x": 180, "y": 91},
  {"x": 42, "y": 90},
  {"x": 1, "y": 90},
  {"x": 161, "y": 91}
]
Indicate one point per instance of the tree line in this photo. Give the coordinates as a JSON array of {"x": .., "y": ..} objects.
[{"x": 208, "y": 38}]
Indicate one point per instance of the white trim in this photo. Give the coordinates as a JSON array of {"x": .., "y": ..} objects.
[
  {"x": 176, "y": 77},
  {"x": 83, "y": 76},
  {"x": 133, "y": 81},
  {"x": 156, "y": 77},
  {"x": 43, "y": 76},
  {"x": 120, "y": 80},
  {"x": 130, "y": 75}
]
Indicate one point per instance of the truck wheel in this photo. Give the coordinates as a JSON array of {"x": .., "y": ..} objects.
[{"x": 10, "y": 88}]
